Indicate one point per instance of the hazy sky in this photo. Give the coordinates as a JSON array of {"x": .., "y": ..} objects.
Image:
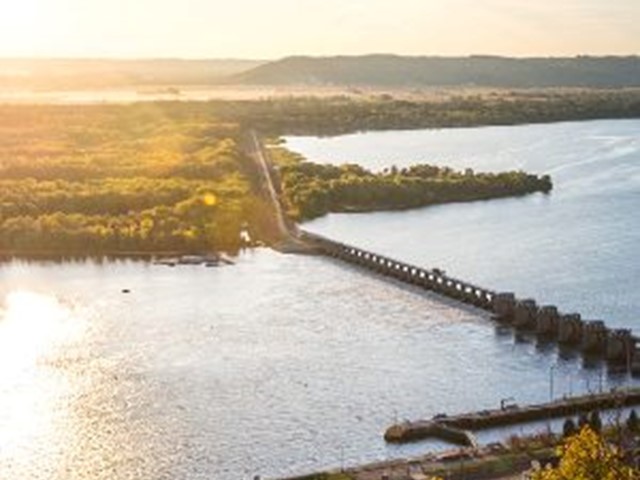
[{"x": 276, "y": 28}]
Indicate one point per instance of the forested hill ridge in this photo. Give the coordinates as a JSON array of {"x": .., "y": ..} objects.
[
  {"x": 481, "y": 71},
  {"x": 387, "y": 71}
]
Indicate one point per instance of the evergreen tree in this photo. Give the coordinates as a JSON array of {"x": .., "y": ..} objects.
[
  {"x": 569, "y": 428},
  {"x": 632, "y": 421},
  {"x": 595, "y": 422},
  {"x": 583, "y": 421}
]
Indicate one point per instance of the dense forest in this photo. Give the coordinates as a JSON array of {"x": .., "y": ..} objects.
[
  {"x": 311, "y": 190},
  {"x": 143, "y": 178},
  {"x": 332, "y": 116}
]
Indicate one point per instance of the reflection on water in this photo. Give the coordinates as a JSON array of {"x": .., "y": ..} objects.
[
  {"x": 33, "y": 325},
  {"x": 274, "y": 366},
  {"x": 34, "y": 330}
]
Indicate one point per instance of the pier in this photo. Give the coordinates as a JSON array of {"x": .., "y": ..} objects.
[{"x": 456, "y": 428}]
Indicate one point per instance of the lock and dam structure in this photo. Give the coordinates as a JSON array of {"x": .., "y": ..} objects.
[{"x": 591, "y": 337}]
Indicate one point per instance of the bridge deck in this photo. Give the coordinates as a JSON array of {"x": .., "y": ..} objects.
[{"x": 431, "y": 279}]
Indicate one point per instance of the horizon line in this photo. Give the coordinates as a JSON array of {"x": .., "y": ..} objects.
[{"x": 309, "y": 56}]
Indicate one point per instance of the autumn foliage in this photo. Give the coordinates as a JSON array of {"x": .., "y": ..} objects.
[
  {"x": 588, "y": 456},
  {"x": 139, "y": 178}
]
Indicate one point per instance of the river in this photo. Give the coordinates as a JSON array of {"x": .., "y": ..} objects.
[
  {"x": 576, "y": 248},
  {"x": 284, "y": 364}
]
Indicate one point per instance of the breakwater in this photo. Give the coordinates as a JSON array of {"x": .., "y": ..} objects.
[
  {"x": 420, "y": 429},
  {"x": 591, "y": 337}
]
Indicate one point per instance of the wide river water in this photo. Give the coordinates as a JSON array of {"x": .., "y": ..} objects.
[{"x": 286, "y": 364}]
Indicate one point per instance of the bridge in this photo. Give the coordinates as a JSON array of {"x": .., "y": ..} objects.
[
  {"x": 433, "y": 279},
  {"x": 591, "y": 337}
]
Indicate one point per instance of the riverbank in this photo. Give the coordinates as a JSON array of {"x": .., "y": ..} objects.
[
  {"x": 160, "y": 257},
  {"x": 495, "y": 462}
]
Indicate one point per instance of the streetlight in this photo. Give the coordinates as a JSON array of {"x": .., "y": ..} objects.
[
  {"x": 570, "y": 385},
  {"x": 504, "y": 404},
  {"x": 601, "y": 378},
  {"x": 551, "y": 370}
]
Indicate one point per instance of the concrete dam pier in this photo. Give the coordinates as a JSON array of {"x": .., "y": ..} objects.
[{"x": 591, "y": 337}]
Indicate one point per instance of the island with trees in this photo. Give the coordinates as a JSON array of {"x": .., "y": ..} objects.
[{"x": 311, "y": 190}]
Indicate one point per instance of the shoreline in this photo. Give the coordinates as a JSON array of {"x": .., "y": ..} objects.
[
  {"x": 406, "y": 208},
  {"x": 492, "y": 462},
  {"x": 7, "y": 256}
]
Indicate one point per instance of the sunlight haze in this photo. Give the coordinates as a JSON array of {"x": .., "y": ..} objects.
[{"x": 259, "y": 29}]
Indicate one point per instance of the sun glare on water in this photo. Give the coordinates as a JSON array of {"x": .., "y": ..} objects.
[
  {"x": 34, "y": 329},
  {"x": 32, "y": 324}
]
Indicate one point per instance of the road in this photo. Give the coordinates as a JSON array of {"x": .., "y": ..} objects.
[{"x": 287, "y": 241}]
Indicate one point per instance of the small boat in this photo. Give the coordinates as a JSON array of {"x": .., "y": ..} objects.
[
  {"x": 191, "y": 260},
  {"x": 169, "y": 262}
]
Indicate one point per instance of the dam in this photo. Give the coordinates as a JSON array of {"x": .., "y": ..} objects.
[{"x": 591, "y": 337}]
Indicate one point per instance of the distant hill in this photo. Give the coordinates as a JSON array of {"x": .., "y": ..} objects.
[
  {"x": 485, "y": 71},
  {"x": 82, "y": 74}
]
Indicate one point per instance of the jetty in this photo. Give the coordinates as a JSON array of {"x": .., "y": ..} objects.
[{"x": 458, "y": 428}]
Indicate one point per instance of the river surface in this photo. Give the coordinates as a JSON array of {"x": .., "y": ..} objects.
[
  {"x": 577, "y": 248},
  {"x": 282, "y": 364}
]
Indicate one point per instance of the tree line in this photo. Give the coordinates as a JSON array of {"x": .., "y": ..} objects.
[
  {"x": 311, "y": 190},
  {"x": 347, "y": 114}
]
